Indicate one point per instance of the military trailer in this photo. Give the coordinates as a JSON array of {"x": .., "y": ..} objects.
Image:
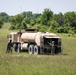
[{"x": 35, "y": 42}]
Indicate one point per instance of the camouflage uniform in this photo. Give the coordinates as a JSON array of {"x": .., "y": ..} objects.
[
  {"x": 52, "y": 48},
  {"x": 9, "y": 47}
]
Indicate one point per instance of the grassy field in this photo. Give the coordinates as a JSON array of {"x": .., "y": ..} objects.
[{"x": 25, "y": 64}]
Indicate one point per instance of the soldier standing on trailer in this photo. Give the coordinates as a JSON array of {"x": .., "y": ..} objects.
[
  {"x": 52, "y": 48},
  {"x": 9, "y": 47}
]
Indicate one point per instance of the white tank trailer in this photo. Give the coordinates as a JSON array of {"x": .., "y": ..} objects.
[{"x": 35, "y": 42}]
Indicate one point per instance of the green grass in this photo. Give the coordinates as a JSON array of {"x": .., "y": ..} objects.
[
  {"x": 25, "y": 64},
  {"x": 5, "y": 30}
]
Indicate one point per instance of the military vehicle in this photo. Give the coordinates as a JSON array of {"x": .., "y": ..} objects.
[{"x": 35, "y": 42}]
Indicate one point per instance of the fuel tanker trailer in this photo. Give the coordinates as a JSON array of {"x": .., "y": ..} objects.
[{"x": 35, "y": 42}]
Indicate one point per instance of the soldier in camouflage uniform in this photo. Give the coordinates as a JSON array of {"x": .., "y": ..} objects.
[
  {"x": 52, "y": 48},
  {"x": 9, "y": 47}
]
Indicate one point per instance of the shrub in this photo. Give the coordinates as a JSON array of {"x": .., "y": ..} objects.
[{"x": 1, "y": 23}]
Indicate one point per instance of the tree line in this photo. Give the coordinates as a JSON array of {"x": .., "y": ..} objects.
[{"x": 45, "y": 21}]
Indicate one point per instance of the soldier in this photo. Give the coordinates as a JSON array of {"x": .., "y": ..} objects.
[
  {"x": 9, "y": 47},
  {"x": 52, "y": 48}
]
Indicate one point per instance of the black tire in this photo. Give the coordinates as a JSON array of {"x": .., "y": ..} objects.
[
  {"x": 15, "y": 47},
  {"x": 36, "y": 49},
  {"x": 31, "y": 49},
  {"x": 19, "y": 48}
]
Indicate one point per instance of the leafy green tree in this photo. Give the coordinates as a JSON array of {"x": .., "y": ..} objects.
[
  {"x": 46, "y": 16},
  {"x": 66, "y": 28},
  {"x": 43, "y": 28},
  {"x": 38, "y": 20},
  {"x": 18, "y": 18},
  {"x": 12, "y": 27},
  {"x": 53, "y": 26},
  {"x": 27, "y": 14},
  {"x": 60, "y": 29},
  {"x": 36, "y": 15},
  {"x": 3, "y": 14},
  {"x": 1, "y": 23},
  {"x": 71, "y": 18},
  {"x": 47, "y": 21},
  {"x": 59, "y": 18},
  {"x": 33, "y": 22},
  {"x": 35, "y": 19},
  {"x": 23, "y": 24},
  {"x": 27, "y": 20},
  {"x": 4, "y": 17},
  {"x": 16, "y": 21}
]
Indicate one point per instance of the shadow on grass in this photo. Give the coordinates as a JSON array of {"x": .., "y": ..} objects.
[{"x": 64, "y": 54}]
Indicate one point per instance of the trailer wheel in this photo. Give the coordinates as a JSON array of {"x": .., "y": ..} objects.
[
  {"x": 31, "y": 49},
  {"x": 15, "y": 47},
  {"x": 36, "y": 49},
  {"x": 19, "y": 48}
]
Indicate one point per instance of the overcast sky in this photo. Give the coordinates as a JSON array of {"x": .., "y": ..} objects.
[{"x": 13, "y": 7}]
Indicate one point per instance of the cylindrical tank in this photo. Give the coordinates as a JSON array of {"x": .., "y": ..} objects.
[
  {"x": 24, "y": 46},
  {"x": 31, "y": 37}
]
